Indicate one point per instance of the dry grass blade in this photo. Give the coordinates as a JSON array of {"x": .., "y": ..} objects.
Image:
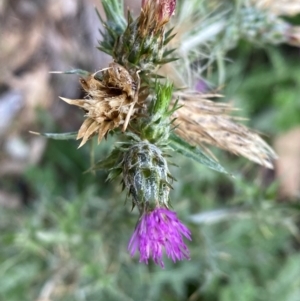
[{"x": 203, "y": 122}]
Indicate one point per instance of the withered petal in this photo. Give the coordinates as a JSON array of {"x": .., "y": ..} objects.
[
  {"x": 75, "y": 102},
  {"x": 85, "y": 125},
  {"x": 89, "y": 132},
  {"x": 106, "y": 126}
]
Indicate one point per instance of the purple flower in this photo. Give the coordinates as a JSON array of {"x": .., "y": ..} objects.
[{"x": 158, "y": 230}]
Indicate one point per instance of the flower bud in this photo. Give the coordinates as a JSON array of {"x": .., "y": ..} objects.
[
  {"x": 143, "y": 41},
  {"x": 163, "y": 9},
  {"x": 146, "y": 175}
]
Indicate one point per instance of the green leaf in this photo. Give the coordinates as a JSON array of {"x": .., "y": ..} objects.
[
  {"x": 58, "y": 136},
  {"x": 114, "y": 24},
  {"x": 105, "y": 50},
  {"x": 168, "y": 52},
  {"x": 194, "y": 153},
  {"x": 109, "y": 162},
  {"x": 113, "y": 174},
  {"x": 166, "y": 61},
  {"x": 169, "y": 38},
  {"x": 114, "y": 13},
  {"x": 163, "y": 98}
]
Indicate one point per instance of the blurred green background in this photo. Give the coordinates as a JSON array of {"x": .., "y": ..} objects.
[{"x": 64, "y": 233}]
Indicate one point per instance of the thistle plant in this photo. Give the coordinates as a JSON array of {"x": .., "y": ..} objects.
[{"x": 152, "y": 118}]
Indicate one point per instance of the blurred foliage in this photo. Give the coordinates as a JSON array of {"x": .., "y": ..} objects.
[
  {"x": 70, "y": 242},
  {"x": 265, "y": 85}
]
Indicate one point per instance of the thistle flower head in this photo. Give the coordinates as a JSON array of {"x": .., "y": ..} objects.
[
  {"x": 161, "y": 9},
  {"x": 142, "y": 43},
  {"x": 156, "y": 231},
  {"x": 111, "y": 101}
]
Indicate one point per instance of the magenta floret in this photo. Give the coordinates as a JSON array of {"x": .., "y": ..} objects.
[{"x": 157, "y": 231}]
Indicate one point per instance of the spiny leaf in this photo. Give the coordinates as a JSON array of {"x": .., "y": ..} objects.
[
  {"x": 73, "y": 71},
  {"x": 114, "y": 24},
  {"x": 194, "y": 153},
  {"x": 110, "y": 161},
  {"x": 58, "y": 136},
  {"x": 167, "y": 40},
  {"x": 106, "y": 50},
  {"x": 114, "y": 12},
  {"x": 163, "y": 98},
  {"x": 114, "y": 173},
  {"x": 156, "y": 76},
  {"x": 168, "y": 52},
  {"x": 166, "y": 61},
  {"x": 168, "y": 33}
]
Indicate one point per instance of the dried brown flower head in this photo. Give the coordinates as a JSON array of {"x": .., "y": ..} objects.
[
  {"x": 111, "y": 101},
  {"x": 201, "y": 121}
]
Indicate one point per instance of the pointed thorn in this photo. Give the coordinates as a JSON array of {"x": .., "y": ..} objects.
[
  {"x": 35, "y": 133},
  {"x": 67, "y": 100},
  {"x": 81, "y": 143}
]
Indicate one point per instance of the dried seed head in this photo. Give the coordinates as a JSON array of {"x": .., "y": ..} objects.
[
  {"x": 111, "y": 101},
  {"x": 200, "y": 121}
]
